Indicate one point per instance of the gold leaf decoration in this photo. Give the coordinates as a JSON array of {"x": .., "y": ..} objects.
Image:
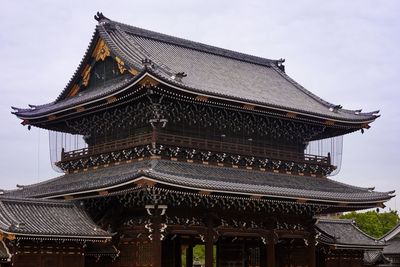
[
  {"x": 74, "y": 90},
  {"x": 101, "y": 51},
  {"x": 121, "y": 65},
  {"x": 86, "y": 75}
]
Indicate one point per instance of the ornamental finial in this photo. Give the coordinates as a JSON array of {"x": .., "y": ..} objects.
[{"x": 100, "y": 17}]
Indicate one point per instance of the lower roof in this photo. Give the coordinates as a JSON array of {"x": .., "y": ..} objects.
[
  {"x": 344, "y": 234},
  {"x": 393, "y": 246},
  {"x": 47, "y": 219},
  {"x": 202, "y": 177}
]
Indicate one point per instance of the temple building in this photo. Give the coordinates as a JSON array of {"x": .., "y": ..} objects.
[{"x": 165, "y": 145}]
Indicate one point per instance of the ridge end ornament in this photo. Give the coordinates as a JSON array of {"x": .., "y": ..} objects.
[{"x": 101, "y": 18}]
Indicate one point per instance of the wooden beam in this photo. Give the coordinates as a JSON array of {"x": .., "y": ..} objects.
[
  {"x": 311, "y": 251},
  {"x": 209, "y": 251},
  {"x": 156, "y": 241},
  {"x": 271, "y": 250},
  {"x": 202, "y": 98},
  {"x": 249, "y": 106},
  {"x": 291, "y": 115},
  {"x": 189, "y": 256},
  {"x": 148, "y": 82}
]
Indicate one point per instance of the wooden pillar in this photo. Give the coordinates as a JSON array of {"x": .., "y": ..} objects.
[
  {"x": 177, "y": 252},
  {"x": 271, "y": 250},
  {"x": 209, "y": 238},
  {"x": 189, "y": 256},
  {"x": 154, "y": 136},
  {"x": 156, "y": 241},
  {"x": 311, "y": 251}
]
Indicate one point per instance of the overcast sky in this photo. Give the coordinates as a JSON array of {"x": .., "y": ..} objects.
[{"x": 346, "y": 52}]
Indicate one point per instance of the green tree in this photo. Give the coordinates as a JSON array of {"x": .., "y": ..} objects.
[{"x": 374, "y": 223}]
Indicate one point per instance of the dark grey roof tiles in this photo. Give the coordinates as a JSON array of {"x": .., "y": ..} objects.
[
  {"x": 346, "y": 234},
  {"x": 47, "y": 218},
  {"x": 83, "y": 181},
  {"x": 393, "y": 233},
  {"x": 210, "y": 70},
  {"x": 198, "y": 176},
  {"x": 220, "y": 72},
  {"x": 393, "y": 246},
  {"x": 84, "y": 96}
]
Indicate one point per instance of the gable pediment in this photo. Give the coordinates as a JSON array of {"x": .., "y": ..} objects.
[{"x": 101, "y": 66}]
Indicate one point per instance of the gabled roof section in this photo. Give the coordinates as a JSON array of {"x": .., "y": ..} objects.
[
  {"x": 344, "y": 234},
  {"x": 199, "y": 69},
  {"x": 51, "y": 219},
  {"x": 395, "y": 232},
  {"x": 199, "y": 177}
]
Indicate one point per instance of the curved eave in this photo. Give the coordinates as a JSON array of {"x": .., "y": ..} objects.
[
  {"x": 353, "y": 246},
  {"x": 146, "y": 73},
  {"x": 153, "y": 178},
  {"x": 26, "y": 116},
  {"x": 110, "y": 25},
  {"x": 11, "y": 235},
  {"x": 182, "y": 87}
]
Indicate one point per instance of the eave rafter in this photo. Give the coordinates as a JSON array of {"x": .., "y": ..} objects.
[
  {"x": 145, "y": 81},
  {"x": 144, "y": 187}
]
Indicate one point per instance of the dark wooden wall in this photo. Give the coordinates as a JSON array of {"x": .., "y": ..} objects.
[{"x": 48, "y": 254}]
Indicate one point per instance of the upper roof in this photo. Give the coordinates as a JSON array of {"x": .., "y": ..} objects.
[
  {"x": 210, "y": 71},
  {"x": 53, "y": 219},
  {"x": 345, "y": 234},
  {"x": 205, "y": 177}
]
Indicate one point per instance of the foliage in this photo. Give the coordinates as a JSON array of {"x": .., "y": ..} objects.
[{"x": 374, "y": 223}]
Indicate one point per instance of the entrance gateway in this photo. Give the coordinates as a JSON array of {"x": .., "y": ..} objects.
[{"x": 176, "y": 153}]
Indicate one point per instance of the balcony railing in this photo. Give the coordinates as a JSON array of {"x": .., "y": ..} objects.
[{"x": 195, "y": 143}]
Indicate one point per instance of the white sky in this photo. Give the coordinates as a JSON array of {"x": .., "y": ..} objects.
[{"x": 346, "y": 52}]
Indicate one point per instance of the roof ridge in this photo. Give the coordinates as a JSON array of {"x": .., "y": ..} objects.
[
  {"x": 198, "y": 46},
  {"x": 364, "y": 233},
  {"x": 335, "y": 220},
  {"x": 392, "y": 233}
]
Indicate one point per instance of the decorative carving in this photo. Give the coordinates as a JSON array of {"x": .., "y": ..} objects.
[
  {"x": 86, "y": 75},
  {"x": 121, "y": 65},
  {"x": 290, "y": 226},
  {"x": 180, "y": 112},
  {"x": 165, "y": 151},
  {"x": 185, "y": 221},
  {"x": 101, "y": 51}
]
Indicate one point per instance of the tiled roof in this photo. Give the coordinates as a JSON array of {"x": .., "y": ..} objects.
[
  {"x": 393, "y": 246},
  {"x": 210, "y": 70},
  {"x": 344, "y": 233},
  {"x": 96, "y": 92},
  {"x": 392, "y": 239},
  {"x": 47, "y": 219},
  {"x": 393, "y": 233},
  {"x": 205, "y": 177}
]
